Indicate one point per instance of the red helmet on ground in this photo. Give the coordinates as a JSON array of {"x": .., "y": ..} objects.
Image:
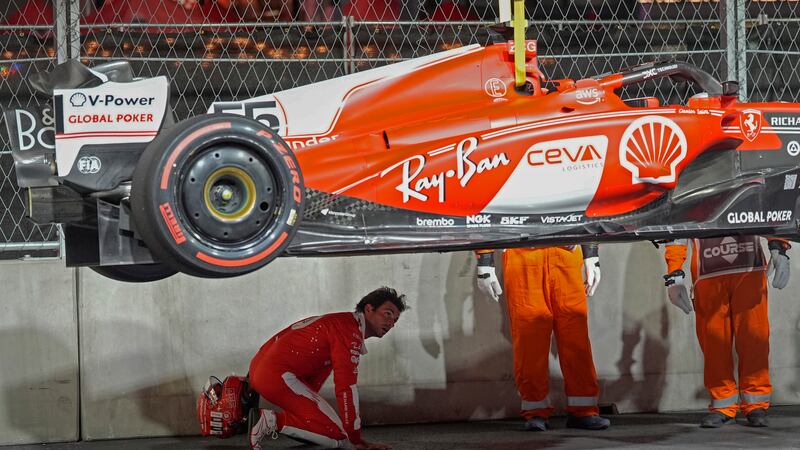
[{"x": 223, "y": 406}]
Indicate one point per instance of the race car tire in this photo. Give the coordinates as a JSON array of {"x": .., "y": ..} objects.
[
  {"x": 217, "y": 195},
  {"x": 136, "y": 273}
]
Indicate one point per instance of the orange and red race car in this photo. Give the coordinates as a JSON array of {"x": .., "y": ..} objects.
[{"x": 438, "y": 153}]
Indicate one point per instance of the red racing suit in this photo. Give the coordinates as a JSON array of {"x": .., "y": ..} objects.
[
  {"x": 730, "y": 301},
  {"x": 291, "y": 367}
]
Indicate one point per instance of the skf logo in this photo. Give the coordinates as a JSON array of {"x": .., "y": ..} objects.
[
  {"x": 172, "y": 223},
  {"x": 651, "y": 148},
  {"x": 587, "y": 96},
  {"x": 513, "y": 220},
  {"x": 728, "y": 249},
  {"x": 750, "y": 123},
  {"x": 495, "y": 87}
]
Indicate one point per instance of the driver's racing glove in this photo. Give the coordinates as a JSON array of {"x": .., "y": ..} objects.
[
  {"x": 487, "y": 278},
  {"x": 778, "y": 263},
  {"x": 675, "y": 282}
]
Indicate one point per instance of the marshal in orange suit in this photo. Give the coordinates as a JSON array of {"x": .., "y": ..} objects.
[{"x": 730, "y": 302}]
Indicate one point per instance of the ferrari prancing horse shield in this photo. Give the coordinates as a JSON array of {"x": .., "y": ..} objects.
[{"x": 750, "y": 123}]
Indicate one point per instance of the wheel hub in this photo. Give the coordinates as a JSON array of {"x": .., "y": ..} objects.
[{"x": 229, "y": 194}]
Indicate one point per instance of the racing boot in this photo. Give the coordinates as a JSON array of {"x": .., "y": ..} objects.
[
  {"x": 588, "y": 422},
  {"x": 536, "y": 424},
  {"x": 757, "y": 418},
  {"x": 260, "y": 424},
  {"x": 715, "y": 420}
]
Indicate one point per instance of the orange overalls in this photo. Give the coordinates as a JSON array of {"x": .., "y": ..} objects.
[
  {"x": 545, "y": 293},
  {"x": 730, "y": 300}
]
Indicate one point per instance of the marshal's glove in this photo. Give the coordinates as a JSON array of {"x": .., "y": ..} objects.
[
  {"x": 778, "y": 264},
  {"x": 487, "y": 278},
  {"x": 676, "y": 290},
  {"x": 591, "y": 274}
]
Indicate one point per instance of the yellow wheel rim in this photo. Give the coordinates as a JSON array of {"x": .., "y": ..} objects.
[{"x": 242, "y": 179}]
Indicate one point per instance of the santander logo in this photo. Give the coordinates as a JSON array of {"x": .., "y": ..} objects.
[{"x": 651, "y": 148}]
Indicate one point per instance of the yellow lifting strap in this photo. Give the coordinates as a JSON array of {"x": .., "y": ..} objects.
[{"x": 520, "y": 24}]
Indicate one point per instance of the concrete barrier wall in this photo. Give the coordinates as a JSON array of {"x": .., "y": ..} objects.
[
  {"x": 39, "y": 384},
  {"x": 146, "y": 350}
]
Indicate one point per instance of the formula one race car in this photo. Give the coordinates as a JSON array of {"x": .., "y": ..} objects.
[{"x": 438, "y": 153}]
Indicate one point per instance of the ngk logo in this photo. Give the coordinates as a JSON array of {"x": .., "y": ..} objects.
[
  {"x": 575, "y": 153},
  {"x": 479, "y": 219},
  {"x": 728, "y": 249}
]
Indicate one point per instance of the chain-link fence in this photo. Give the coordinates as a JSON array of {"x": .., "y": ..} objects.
[
  {"x": 27, "y": 46},
  {"x": 236, "y": 49}
]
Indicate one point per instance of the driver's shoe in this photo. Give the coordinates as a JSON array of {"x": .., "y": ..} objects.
[{"x": 260, "y": 424}]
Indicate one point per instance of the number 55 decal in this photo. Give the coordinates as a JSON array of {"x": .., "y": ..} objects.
[{"x": 265, "y": 111}]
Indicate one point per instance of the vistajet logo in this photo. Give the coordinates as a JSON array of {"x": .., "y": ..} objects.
[{"x": 571, "y": 218}]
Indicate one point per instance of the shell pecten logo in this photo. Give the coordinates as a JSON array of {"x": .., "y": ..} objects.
[{"x": 651, "y": 148}]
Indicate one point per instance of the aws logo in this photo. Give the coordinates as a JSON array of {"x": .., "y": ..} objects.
[{"x": 569, "y": 154}]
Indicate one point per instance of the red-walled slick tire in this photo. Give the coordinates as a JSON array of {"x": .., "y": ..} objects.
[{"x": 217, "y": 195}]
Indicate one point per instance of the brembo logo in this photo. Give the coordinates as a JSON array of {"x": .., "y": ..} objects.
[
  {"x": 569, "y": 154},
  {"x": 436, "y": 223},
  {"x": 651, "y": 148},
  {"x": 728, "y": 249}
]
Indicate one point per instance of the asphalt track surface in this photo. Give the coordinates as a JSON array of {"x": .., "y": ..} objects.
[{"x": 630, "y": 431}]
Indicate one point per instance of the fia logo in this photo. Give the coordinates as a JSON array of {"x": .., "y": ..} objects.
[{"x": 88, "y": 165}]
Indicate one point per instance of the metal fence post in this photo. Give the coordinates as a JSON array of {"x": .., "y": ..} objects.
[
  {"x": 727, "y": 15},
  {"x": 734, "y": 37},
  {"x": 741, "y": 47},
  {"x": 67, "y": 16},
  {"x": 349, "y": 46}
]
